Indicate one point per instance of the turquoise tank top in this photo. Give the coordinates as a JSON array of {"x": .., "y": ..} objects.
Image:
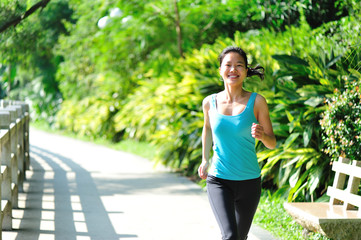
[{"x": 234, "y": 154}]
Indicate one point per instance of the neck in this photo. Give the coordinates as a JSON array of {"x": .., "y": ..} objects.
[{"x": 233, "y": 93}]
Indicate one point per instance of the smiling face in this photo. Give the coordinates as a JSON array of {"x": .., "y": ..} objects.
[{"x": 233, "y": 69}]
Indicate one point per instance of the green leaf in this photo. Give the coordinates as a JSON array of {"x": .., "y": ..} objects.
[
  {"x": 294, "y": 177},
  {"x": 299, "y": 190},
  {"x": 296, "y": 188},
  {"x": 289, "y": 116},
  {"x": 333, "y": 61},
  {"x": 287, "y": 59},
  {"x": 292, "y": 161},
  {"x": 284, "y": 174},
  {"x": 307, "y": 134},
  {"x": 290, "y": 140},
  {"x": 314, "y": 101},
  {"x": 314, "y": 178}
]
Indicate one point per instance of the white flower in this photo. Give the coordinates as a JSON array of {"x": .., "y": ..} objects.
[{"x": 103, "y": 22}]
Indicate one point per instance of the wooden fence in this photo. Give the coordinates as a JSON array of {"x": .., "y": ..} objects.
[{"x": 14, "y": 158}]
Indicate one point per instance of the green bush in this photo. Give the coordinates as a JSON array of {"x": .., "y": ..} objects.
[
  {"x": 341, "y": 121},
  {"x": 298, "y": 167}
]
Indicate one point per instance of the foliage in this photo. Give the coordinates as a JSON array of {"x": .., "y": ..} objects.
[
  {"x": 27, "y": 60},
  {"x": 298, "y": 167},
  {"x": 124, "y": 49},
  {"x": 341, "y": 121},
  {"x": 323, "y": 11},
  {"x": 271, "y": 216},
  {"x": 142, "y": 39}
]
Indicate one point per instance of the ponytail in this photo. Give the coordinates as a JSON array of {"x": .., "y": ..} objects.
[{"x": 258, "y": 71}]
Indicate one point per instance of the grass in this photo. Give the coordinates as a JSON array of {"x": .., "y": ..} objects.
[
  {"x": 272, "y": 217},
  {"x": 270, "y": 214}
]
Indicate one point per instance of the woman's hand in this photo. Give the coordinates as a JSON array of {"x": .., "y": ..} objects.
[
  {"x": 203, "y": 169},
  {"x": 257, "y": 131}
]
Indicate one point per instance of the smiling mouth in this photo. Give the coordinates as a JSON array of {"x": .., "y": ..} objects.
[{"x": 233, "y": 76}]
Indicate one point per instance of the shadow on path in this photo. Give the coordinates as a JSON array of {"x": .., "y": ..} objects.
[{"x": 60, "y": 201}]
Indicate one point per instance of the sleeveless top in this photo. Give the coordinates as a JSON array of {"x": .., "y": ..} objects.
[{"x": 234, "y": 154}]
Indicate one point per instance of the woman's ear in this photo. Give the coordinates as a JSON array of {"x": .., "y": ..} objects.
[{"x": 220, "y": 74}]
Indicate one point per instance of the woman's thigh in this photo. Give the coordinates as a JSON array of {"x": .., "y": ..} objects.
[
  {"x": 221, "y": 198},
  {"x": 248, "y": 195}
]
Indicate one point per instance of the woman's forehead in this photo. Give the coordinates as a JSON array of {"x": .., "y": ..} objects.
[{"x": 233, "y": 57}]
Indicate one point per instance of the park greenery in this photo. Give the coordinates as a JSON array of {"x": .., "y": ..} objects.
[
  {"x": 139, "y": 70},
  {"x": 341, "y": 121}
]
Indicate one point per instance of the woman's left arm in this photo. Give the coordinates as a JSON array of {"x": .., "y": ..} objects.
[{"x": 263, "y": 131}]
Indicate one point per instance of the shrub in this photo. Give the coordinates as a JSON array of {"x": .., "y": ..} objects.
[{"x": 341, "y": 121}]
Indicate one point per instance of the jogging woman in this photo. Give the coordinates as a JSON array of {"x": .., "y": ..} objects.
[{"x": 233, "y": 119}]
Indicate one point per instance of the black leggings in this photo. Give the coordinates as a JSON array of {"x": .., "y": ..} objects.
[{"x": 234, "y": 204}]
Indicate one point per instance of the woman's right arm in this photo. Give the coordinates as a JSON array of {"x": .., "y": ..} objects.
[{"x": 206, "y": 140}]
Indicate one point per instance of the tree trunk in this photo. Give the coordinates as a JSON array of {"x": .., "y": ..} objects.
[
  {"x": 178, "y": 28},
  {"x": 9, "y": 82}
]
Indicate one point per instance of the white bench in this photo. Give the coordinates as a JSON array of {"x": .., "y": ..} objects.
[{"x": 340, "y": 218}]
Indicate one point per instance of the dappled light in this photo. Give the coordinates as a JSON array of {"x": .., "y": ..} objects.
[{"x": 56, "y": 211}]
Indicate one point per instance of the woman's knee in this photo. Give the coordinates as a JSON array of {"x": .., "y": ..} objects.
[
  {"x": 234, "y": 237},
  {"x": 230, "y": 237}
]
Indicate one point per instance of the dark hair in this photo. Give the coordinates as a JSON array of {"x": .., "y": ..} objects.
[{"x": 258, "y": 70}]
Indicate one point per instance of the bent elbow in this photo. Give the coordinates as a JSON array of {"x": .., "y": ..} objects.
[
  {"x": 272, "y": 144},
  {"x": 271, "y": 147}
]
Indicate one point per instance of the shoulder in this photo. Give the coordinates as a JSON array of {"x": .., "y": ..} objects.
[
  {"x": 207, "y": 99},
  {"x": 260, "y": 100},
  {"x": 206, "y": 103},
  {"x": 260, "y": 103}
]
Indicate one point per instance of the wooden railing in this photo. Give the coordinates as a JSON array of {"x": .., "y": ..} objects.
[{"x": 14, "y": 158}]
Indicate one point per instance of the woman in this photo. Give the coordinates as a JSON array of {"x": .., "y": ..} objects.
[{"x": 233, "y": 119}]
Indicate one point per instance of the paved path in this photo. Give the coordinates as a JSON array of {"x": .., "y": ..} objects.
[{"x": 79, "y": 191}]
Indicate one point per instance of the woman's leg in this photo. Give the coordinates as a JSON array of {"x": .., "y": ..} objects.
[
  {"x": 247, "y": 199},
  {"x": 221, "y": 198}
]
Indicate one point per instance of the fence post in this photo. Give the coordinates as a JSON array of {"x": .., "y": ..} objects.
[
  {"x": 18, "y": 149},
  {"x": 14, "y": 161},
  {"x": 15, "y": 158},
  {"x": 26, "y": 137},
  {"x": 6, "y": 191}
]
